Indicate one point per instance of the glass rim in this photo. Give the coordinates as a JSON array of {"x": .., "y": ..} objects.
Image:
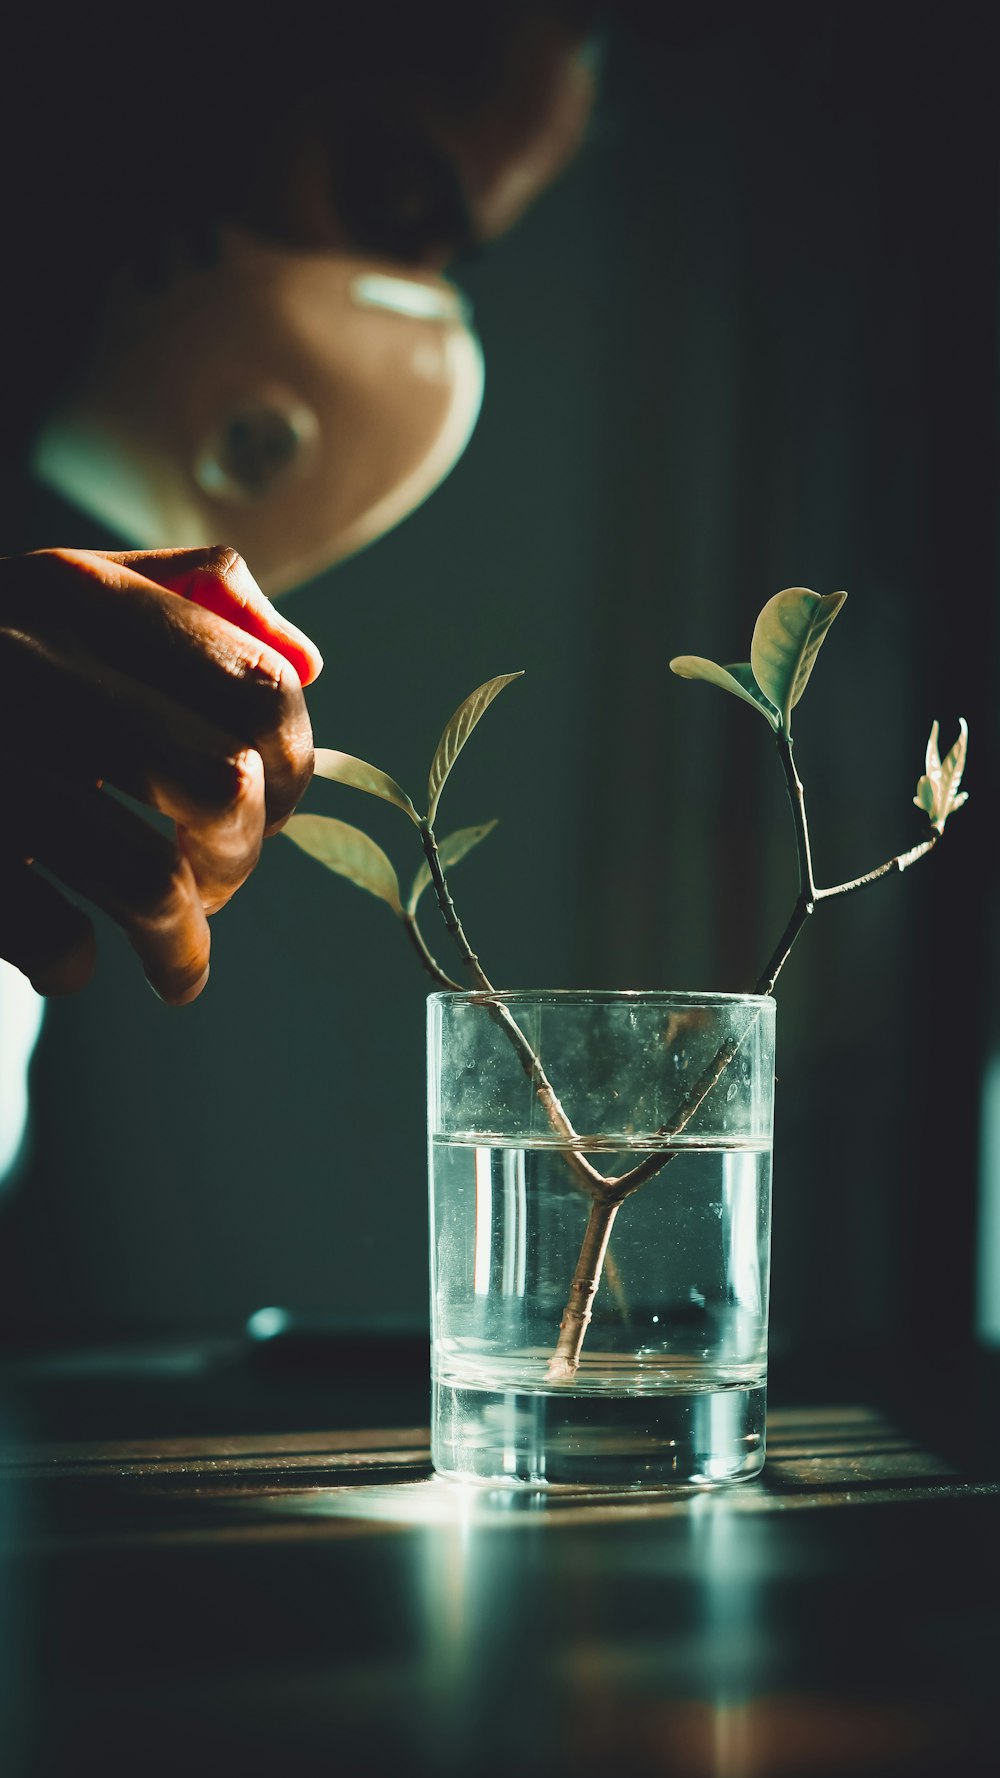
[{"x": 599, "y": 997}]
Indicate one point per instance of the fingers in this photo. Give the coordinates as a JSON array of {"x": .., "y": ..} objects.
[
  {"x": 104, "y": 852},
  {"x": 219, "y": 581},
  {"x": 88, "y": 726},
  {"x": 42, "y": 933},
  {"x": 100, "y": 611},
  {"x": 168, "y": 675}
]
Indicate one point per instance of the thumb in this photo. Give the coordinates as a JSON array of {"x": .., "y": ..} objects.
[{"x": 219, "y": 580}]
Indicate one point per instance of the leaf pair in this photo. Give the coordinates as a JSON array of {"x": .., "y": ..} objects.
[
  {"x": 786, "y": 639},
  {"x": 353, "y": 855},
  {"x": 350, "y": 852}
]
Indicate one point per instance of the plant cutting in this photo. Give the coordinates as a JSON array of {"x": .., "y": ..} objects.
[{"x": 550, "y": 1112}]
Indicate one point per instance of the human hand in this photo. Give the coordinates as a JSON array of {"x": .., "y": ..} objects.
[{"x": 167, "y": 674}]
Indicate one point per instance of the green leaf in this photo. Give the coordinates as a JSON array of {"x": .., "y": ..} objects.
[
  {"x": 937, "y": 791},
  {"x": 450, "y": 850},
  {"x": 343, "y": 768},
  {"x": 737, "y": 679},
  {"x": 347, "y": 851},
  {"x": 457, "y": 733},
  {"x": 786, "y": 641}
]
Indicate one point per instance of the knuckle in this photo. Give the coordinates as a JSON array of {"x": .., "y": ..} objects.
[
  {"x": 293, "y": 744},
  {"x": 265, "y": 672},
  {"x": 291, "y": 705},
  {"x": 241, "y": 783},
  {"x": 224, "y": 561},
  {"x": 277, "y": 693}
]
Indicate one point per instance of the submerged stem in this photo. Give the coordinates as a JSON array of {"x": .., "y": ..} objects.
[{"x": 565, "y": 1359}]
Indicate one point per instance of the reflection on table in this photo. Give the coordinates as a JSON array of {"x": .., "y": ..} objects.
[{"x": 299, "y": 1602}]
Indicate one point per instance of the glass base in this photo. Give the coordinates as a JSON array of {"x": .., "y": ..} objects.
[{"x": 557, "y": 1439}]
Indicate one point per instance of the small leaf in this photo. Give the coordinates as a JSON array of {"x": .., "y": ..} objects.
[
  {"x": 786, "y": 640},
  {"x": 457, "y": 733},
  {"x": 347, "y": 851},
  {"x": 953, "y": 764},
  {"x": 937, "y": 791},
  {"x": 738, "y": 679},
  {"x": 343, "y": 768},
  {"x": 450, "y": 850}
]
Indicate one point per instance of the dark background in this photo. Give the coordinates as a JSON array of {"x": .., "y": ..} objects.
[{"x": 749, "y": 341}]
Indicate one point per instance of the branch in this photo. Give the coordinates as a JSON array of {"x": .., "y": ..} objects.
[
  {"x": 809, "y": 896},
  {"x": 779, "y": 956},
  {"x": 901, "y": 862},
  {"x": 427, "y": 959},
  {"x": 586, "y": 1174},
  {"x": 448, "y": 910},
  {"x": 797, "y": 798},
  {"x": 565, "y": 1360}
]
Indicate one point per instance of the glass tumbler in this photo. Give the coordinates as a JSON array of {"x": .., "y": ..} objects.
[{"x": 600, "y": 1181}]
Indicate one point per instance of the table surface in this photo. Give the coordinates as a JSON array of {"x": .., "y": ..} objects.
[{"x": 289, "y": 1600}]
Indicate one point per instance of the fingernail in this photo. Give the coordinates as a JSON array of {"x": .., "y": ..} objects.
[{"x": 186, "y": 995}]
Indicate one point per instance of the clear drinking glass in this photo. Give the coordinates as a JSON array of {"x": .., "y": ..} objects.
[{"x": 538, "y": 1103}]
